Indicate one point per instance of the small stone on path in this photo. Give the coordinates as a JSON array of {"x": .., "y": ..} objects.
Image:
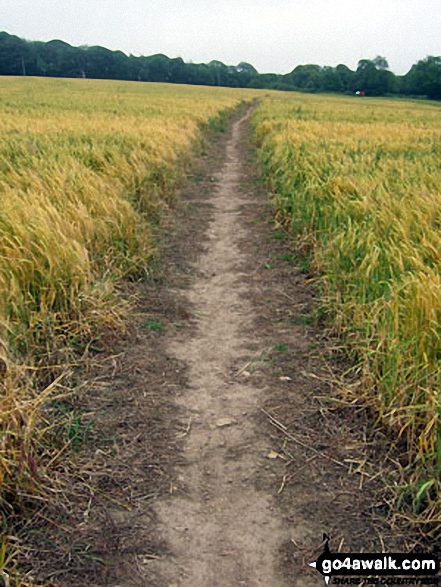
[{"x": 223, "y": 422}]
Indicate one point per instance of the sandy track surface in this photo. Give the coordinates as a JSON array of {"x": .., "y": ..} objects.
[{"x": 222, "y": 532}]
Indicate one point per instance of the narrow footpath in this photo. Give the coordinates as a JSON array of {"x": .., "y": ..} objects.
[
  {"x": 221, "y": 453},
  {"x": 247, "y": 373},
  {"x": 222, "y": 531}
]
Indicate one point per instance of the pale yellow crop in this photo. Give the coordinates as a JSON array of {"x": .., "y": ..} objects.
[
  {"x": 86, "y": 168},
  {"x": 359, "y": 182}
]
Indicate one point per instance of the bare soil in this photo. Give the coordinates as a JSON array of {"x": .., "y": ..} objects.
[{"x": 219, "y": 452}]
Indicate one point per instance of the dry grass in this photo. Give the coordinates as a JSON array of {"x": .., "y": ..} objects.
[
  {"x": 87, "y": 168},
  {"x": 358, "y": 181}
]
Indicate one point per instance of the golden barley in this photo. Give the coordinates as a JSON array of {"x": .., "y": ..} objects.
[
  {"x": 86, "y": 168},
  {"x": 359, "y": 183}
]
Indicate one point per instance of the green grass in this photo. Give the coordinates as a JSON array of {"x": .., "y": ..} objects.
[
  {"x": 154, "y": 325},
  {"x": 281, "y": 347}
]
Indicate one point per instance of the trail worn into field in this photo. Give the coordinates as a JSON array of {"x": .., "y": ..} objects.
[
  {"x": 220, "y": 452},
  {"x": 250, "y": 425},
  {"x": 222, "y": 531}
]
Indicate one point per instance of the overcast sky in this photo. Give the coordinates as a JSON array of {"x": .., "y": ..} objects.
[{"x": 273, "y": 35}]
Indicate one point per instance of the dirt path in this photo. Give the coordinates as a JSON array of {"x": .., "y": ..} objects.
[
  {"x": 220, "y": 453},
  {"x": 222, "y": 532},
  {"x": 264, "y": 461}
]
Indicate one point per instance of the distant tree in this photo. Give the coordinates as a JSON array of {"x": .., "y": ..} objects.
[
  {"x": 246, "y": 72},
  {"x": 158, "y": 68},
  {"x": 244, "y": 67},
  {"x": 199, "y": 74},
  {"x": 101, "y": 63},
  {"x": 347, "y": 77},
  {"x": 387, "y": 82},
  {"x": 424, "y": 78},
  {"x": 331, "y": 80},
  {"x": 15, "y": 56},
  {"x": 219, "y": 72},
  {"x": 380, "y": 62},
  {"x": 264, "y": 80},
  {"x": 57, "y": 58},
  {"x": 217, "y": 64},
  {"x": 141, "y": 68},
  {"x": 374, "y": 78},
  {"x": 305, "y": 77},
  {"x": 177, "y": 71},
  {"x": 366, "y": 77}
]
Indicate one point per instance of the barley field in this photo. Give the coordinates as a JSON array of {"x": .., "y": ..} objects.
[
  {"x": 358, "y": 182},
  {"x": 86, "y": 170}
]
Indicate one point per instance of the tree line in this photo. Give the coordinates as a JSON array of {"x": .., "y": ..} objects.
[{"x": 59, "y": 59}]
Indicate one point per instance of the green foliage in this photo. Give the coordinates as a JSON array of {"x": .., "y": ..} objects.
[
  {"x": 59, "y": 59},
  {"x": 281, "y": 347},
  {"x": 154, "y": 325},
  {"x": 424, "y": 79}
]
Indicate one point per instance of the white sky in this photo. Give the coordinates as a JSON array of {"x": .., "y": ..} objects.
[{"x": 273, "y": 35}]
